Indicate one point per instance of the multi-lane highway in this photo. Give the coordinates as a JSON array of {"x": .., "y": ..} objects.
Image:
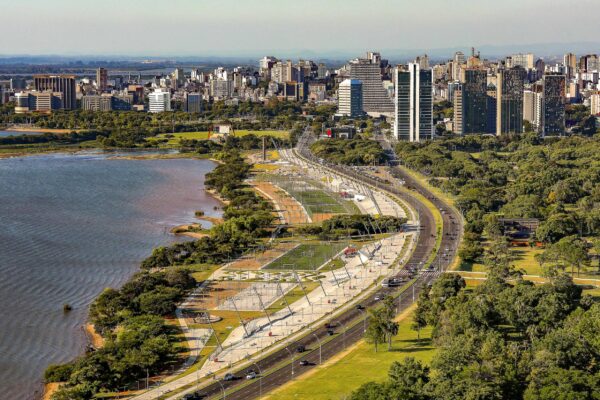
[{"x": 349, "y": 326}]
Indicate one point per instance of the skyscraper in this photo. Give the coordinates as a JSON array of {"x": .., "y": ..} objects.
[
  {"x": 350, "y": 98},
  {"x": 553, "y": 110},
  {"x": 193, "y": 102},
  {"x": 532, "y": 108},
  {"x": 414, "y": 104},
  {"x": 570, "y": 63},
  {"x": 473, "y": 99},
  {"x": 64, "y": 84},
  {"x": 376, "y": 100},
  {"x": 523, "y": 60},
  {"x": 102, "y": 79},
  {"x": 509, "y": 98}
]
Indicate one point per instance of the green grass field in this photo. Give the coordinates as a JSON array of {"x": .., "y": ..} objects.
[
  {"x": 203, "y": 135},
  {"x": 524, "y": 259},
  {"x": 307, "y": 256},
  {"x": 361, "y": 365}
]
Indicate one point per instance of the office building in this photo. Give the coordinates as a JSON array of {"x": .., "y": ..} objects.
[
  {"x": 350, "y": 98},
  {"x": 107, "y": 102},
  {"x": 375, "y": 98},
  {"x": 524, "y": 61},
  {"x": 414, "y": 104},
  {"x": 471, "y": 101},
  {"x": 96, "y": 103},
  {"x": 532, "y": 108},
  {"x": 159, "y": 101},
  {"x": 102, "y": 79},
  {"x": 221, "y": 88},
  {"x": 553, "y": 115},
  {"x": 509, "y": 100},
  {"x": 492, "y": 104},
  {"x": 589, "y": 63},
  {"x": 192, "y": 102},
  {"x": 64, "y": 84},
  {"x": 570, "y": 63},
  {"x": 457, "y": 97},
  {"x": 595, "y": 104}
]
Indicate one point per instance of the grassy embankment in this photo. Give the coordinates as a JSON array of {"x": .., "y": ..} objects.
[{"x": 175, "y": 138}]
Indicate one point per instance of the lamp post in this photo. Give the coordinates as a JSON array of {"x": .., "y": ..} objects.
[{"x": 320, "y": 348}]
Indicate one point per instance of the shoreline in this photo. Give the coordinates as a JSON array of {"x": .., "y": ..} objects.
[{"x": 94, "y": 339}]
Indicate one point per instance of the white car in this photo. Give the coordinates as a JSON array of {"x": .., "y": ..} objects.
[{"x": 251, "y": 375}]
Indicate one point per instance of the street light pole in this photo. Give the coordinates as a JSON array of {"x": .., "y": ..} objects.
[
  {"x": 292, "y": 357},
  {"x": 320, "y": 348},
  {"x": 260, "y": 380}
]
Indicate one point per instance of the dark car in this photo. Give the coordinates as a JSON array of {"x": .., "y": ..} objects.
[
  {"x": 192, "y": 396},
  {"x": 330, "y": 332},
  {"x": 300, "y": 349},
  {"x": 229, "y": 377},
  {"x": 304, "y": 363},
  {"x": 360, "y": 307}
]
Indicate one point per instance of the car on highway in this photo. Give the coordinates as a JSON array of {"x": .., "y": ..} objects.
[
  {"x": 304, "y": 363},
  {"x": 229, "y": 377},
  {"x": 360, "y": 307},
  {"x": 193, "y": 396},
  {"x": 301, "y": 349},
  {"x": 251, "y": 375}
]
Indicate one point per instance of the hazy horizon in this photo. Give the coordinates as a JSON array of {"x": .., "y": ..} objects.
[{"x": 242, "y": 29}]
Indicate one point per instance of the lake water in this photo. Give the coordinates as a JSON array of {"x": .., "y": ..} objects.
[{"x": 71, "y": 225}]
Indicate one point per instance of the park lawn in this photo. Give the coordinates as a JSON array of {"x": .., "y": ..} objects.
[
  {"x": 201, "y": 272},
  {"x": 307, "y": 256},
  {"x": 203, "y": 135},
  {"x": 361, "y": 365}
]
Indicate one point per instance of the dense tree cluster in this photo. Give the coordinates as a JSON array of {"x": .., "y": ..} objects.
[
  {"x": 137, "y": 340},
  {"x": 354, "y": 225},
  {"x": 247, "y": 217},
  {"x": 554, "y": 180},
  {"x": 357, "y": 151},
  {"x": 56, "y": 138},
  {"x": 501, "y": 341}
]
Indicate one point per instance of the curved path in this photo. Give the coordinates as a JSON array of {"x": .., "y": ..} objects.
[{"x": 321, "y": 346}]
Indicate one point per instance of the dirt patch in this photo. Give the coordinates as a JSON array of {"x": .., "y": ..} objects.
[
  {"x": 322, "y": 217},
  {"x": 95, "y": 338},
  {"x": 50, "y": 389},
  {"x": 291, "y": 211},
  {"x": 214, "y": 294}
]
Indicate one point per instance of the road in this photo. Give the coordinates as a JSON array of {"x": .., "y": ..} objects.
[{"x": 451, "y": 232}]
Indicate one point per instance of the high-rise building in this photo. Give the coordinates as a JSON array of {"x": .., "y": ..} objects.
[
  {"x": 350, "y": 97},
  {"x": 525, "y": 61},
  {"x": 159, "y": 101},
  {"x": 553, "y": 114},
  {"x": 570, "y": 63},
  {"x": 473, "y": 102},
  {"x": 532, "y": 108},
  {"x": 509, "y": 98},
  {"x": 192, "y": 102},
  {"x": 595, "y": 103},
  {"x": 64, "y": 84},
  {"x": 589, "y": 63},
  {"x": 102, "y": 79},
  {"x": 457, "y": 123},
  {"x": 414, "y": 104},
  {"x": 492, "y": 104},
  {"x": 178, "y": 77},
  {"x": 376, "y": 100}
]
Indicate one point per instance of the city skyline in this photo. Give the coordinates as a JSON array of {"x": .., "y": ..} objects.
[{"x": 199, "y": 27}]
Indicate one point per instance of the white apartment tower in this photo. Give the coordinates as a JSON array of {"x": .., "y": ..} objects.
[
  {"x": 350, "y": 98},
  {"x": 413, "y": 104},
  {"x": 159, "y": 101}
]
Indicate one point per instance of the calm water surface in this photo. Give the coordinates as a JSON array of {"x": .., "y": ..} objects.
[{"x": 71, "y": 225}]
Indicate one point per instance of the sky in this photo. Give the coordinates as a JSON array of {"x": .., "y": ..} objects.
[{"x": 243, "y": 27}]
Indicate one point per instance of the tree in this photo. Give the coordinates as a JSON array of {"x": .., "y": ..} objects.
[{"x": 376, "y": 330}]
